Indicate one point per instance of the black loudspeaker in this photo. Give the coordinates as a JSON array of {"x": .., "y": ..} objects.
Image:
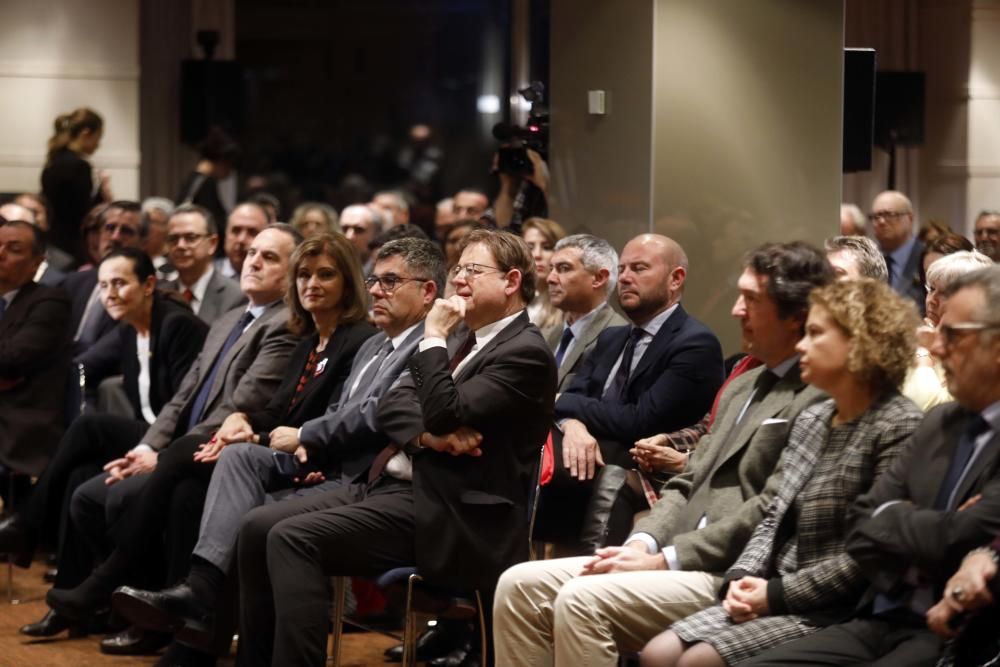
[
  {"x": 899, "y": 109},
  {"x": 211, "y": 94},
  {"x": 859, "y": 109}
]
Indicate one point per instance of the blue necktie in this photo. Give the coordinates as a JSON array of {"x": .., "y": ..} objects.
[
  {"x": 567, "y": 337},
  {"x": 966, "y": 446},
  {"x": 198, "y": 407}
]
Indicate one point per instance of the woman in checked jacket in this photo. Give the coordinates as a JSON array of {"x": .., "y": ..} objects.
[{"x": 794, "y": 575}]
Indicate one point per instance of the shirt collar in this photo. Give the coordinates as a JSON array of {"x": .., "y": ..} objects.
[
  {"x": 398, "y": 340},
  {"x": 781, "y": 370},
  {"x": 9, "y": 296},
  {"x": 991, "y": 415},
  {"x": 583, "y": 322},
  {"x": 200, "y": 285},
  {"x": 902, "y": 253},
  {"x": 652, "y": 327},
  {"x": 486, "y": 332}
]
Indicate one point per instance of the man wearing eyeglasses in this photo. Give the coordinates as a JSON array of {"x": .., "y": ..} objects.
[
  {"x": 450, "y": 495},
  {"x": 361, "y": 224},
  {"x": 191, "y": 241},
  {"x": 939, "y": 499},
  {"x": 892, "y": 224}
]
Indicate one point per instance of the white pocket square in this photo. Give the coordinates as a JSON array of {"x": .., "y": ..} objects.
[{"x": 773, "y": 421}]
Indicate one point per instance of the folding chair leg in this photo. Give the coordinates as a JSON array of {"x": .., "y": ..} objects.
[
  {"x": 340, "y": 585},
  {"x": 410, "y": 625},
  {"x": 482, "y": 627}
]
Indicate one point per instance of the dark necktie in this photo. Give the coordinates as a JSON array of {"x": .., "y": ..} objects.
[
  {"x": 616, "y": 390},
  {"x": 761, "y": 387},
  {"x": 201, "y": 399},
  {"x": 370, "y": 373},
  {"x": 3, "y": 306},
  {"x": 567, "y": 337},
  {"x": 888, "y": 265},
  {"x": 390, "y": 450},
  {"x": 959, "y": 460},
  {"x": 188, "y": 294}
]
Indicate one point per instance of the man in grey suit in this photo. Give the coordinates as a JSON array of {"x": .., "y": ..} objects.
[
  {"x": 192, "y": 237},
  {"x": 332, "y": 449},
  {"x": 584, "y": 273},
  {"x": 583, "y": 611},
  {"x": 241, "y": 364}
]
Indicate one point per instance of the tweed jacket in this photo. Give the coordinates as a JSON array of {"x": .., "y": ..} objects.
[
  {"x": 731, "y": 477},
  {"x": 809, "y": 570}
]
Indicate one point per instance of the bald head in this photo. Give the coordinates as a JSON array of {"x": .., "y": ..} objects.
[
  {"x": 651, "y": 274},
  {"x": 11, "y": 212},
  {"x": 892, "y": 219}
]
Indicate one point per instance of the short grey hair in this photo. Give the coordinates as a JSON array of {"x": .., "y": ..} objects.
[
  {"x": 946, "y": 270},
  {"x": 421, "y": 256},
  {"x": 398, "y": 198},
  {"x": 158, "y": 204},
  {"x": 986, "y": 279},
  {"x": 595, "y": 254},
  {"x": 856, "y": 215},
  {"x": 865, "y": 252}
]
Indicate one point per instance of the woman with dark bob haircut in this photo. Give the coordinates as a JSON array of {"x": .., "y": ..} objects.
[{"x": 794, "y": 575}]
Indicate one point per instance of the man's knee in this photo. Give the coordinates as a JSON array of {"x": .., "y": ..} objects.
[
  {"x": 580, "y": 596},
  {"x": 88, "y": 500},
  {"x": 254, "y": 527}
]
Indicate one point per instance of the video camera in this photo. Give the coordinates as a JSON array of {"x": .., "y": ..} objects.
[{"x": 512, "y": 156}]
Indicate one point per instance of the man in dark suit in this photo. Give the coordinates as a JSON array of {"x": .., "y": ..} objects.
[
  {"x": 47, "y": 273},
  {"x": 892, "y": 224},
  {"x": 656, "y": 376},
  {"x": 584, "y": 274},
  {"x": 940, "y": 499},
  {"x": 671, "y": 565},
  {"x": 449, "y": 495},
  {"x": 34, "y": 354},
  {"x": 241, "y": 364},
  {"x": 191, "y": 241},
  {"x": 340, "y": 445}
]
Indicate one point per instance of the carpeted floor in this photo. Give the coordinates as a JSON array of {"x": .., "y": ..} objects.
[{"x": 16, "y": 650}]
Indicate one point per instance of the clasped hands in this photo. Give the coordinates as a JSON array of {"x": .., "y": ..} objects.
[
  {"x": 133, "y": 463},
  {"x": 656, "y": 453},
  {"x": 632, "y": 557},
  {"x": 746, "y": 599}
]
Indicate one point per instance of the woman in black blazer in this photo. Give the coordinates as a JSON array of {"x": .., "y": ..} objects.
[{"x": 169, "y": 337}]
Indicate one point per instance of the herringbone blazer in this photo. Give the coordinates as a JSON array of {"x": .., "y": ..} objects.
[{"x": 822, "y": 473}]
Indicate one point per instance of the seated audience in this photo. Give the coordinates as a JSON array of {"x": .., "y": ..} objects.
[
  {"x": 39, "y": 205},
  {"x": 34, "y": 354},
  {"x": 793, "y": 576},
  {"x": 159, "y": 338},
  {"x": 191, "y": 240},
  {"x": 469, "y": 204},
  {"x": 244, "y": 223},
  {"x": 541, "y": 235},
  {"x": 314, "y": 218},
  {"x": 583, "y": 274},
  {"x": 46, "y": 274},
  {"x": 939, "y": 499},
  {"x": 987, "y": 234},
  {"x": 153, "y": 231},
  {"x": 241, "y": 363},
  {"x": 444, "y": 216},
  {"x": 332, "y": 448},
  {"x": 362, "y": 224},
  {"x": 658, "y": 375},
  {"x": 90, "y": 237},
  {"x": 449, "y": 495},
  {"x": 452, "y": 236},
  {"x": 393, "y": 206},
  {"x": 943, "y": 245},
  {"x": 585, "y": 610}
]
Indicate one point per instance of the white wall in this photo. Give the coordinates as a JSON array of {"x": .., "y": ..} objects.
[
  {"x": 984, "y": 112},
  {"x": 55, "y": 56}
]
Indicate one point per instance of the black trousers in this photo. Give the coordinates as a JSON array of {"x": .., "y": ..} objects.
[
  {"x": 862, "y": 641},
  {"x": 89, "y": 443},
  {"x": 288, "y": 550}
]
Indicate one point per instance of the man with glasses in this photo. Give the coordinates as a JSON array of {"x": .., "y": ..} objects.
[
  {"x": 340, "y": 445},
  {"x": 892, "y": 224},
  {"x": 987, "y": 234},
  {"x": 191, "y": 241},
  {"x": 939, "y": 499},
  {"x": 361, "y": 225},
  {"x": 449, "y": 494}
]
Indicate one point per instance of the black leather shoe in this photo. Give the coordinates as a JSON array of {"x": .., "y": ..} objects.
[
  {"x": 433, "y": 642},
  {"x": 168, "y": 610},
  {"x": 76, "y": 605},
  {"x": 459, "y": 657},
  {"x": 51, "y": 625},
  {"x": 134, "y": 641},
  {"x": 16, "y": 540}
]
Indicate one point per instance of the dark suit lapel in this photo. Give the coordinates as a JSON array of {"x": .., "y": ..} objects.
[
  {"x": 934, "y": 467},
  {"x": 983, "y": 466},
  {"x": 16, "y": 308},
  {"x": 593, "y": 330},
  {"x": 659, "y": 343}
]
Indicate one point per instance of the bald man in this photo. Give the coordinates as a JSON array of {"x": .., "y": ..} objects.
[
  {"x": 46, "y": 274},
  {"x": 656, "y": 375},
  {"x": 892, "y": 224}
]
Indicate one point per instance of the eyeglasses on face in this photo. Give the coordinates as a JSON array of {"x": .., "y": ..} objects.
[
  {"x": 123, "y": 230},
  {"x": 880, "y": 216},
  {"x": 951, "y": 332},
  {"x": 389, "y": 282},
  {"x": 190, "y": 238},
  {"x": 472, "y": 270}
]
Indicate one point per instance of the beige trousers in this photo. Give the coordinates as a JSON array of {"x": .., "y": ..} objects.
[{"x": 545, "y": 614}]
